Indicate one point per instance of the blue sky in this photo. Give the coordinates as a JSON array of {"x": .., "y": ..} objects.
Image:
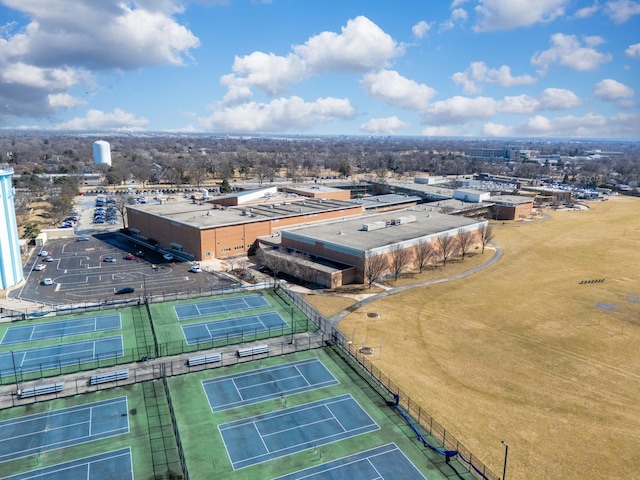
[{"x": 489, "y": 68}]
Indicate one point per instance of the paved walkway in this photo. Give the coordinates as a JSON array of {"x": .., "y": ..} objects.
[{"x": 335, "y": 319}]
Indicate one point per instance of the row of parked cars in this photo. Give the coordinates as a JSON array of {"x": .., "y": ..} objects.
[{"x": 105, "y": 210}]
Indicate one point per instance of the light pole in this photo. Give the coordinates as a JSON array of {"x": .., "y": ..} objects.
[{"x": 506, "y": 454}]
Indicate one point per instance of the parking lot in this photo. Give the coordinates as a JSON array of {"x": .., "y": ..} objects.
[{"x": 104, "y": 263}]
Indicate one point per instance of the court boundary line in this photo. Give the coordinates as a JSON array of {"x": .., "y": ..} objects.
[
  {"x": 67, "y": 411},
  {"x": 294, "y": 364},
  {"x": 79, "y": 462},
  {"x": 298, "y": 408},
  {"x": 345, "y": 461},
  {"x": 235, "y": 335},
  {"x": 223, "y": 302}
]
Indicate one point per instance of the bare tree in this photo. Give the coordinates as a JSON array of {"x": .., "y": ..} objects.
[
  {"x": 447, "y": 247},
  {"x": 400, "y": 258},
  {"x": 121, "y": 206},
  {"x": 423, "y": 252},
  {"x": 374, "y": 267},
  {"x": 466, "y": 240},
  {"x": 486, "y": 235}
]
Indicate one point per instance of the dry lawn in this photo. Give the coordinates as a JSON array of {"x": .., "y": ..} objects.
[{"x": 523, "y": 352}]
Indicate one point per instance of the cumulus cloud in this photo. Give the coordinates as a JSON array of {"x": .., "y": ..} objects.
[
  {"x": 509, "y": 14},
  {"x": 440, "y": 131},
  {"x": 279, "y": 115},
  {"x": 550, "y": 99},
  {"x": 570, "y": 51},
  {"x": 589, "y": 125},
  {"x": 612, "y": 90},
  {"x": 394, "y": 89},
  {"x": 360, "y": 46},
  {"x": 64, "y": 100},
  {"x": 118, "y": 120},
  {"x": 421, "y": 29},
  {"x": 460, "y": 110},
  {"x": 633, "y": 51},
  {"x": 586, "y": 12},
  {"x": 64, "y": 43},
  {"x": 385, "y": 126},
  {"x": 478, "y": 73},
  {"x": 620, "y": 11}
]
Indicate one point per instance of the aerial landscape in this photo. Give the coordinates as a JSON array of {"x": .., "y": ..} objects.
[{"x": 262, "y": 239}]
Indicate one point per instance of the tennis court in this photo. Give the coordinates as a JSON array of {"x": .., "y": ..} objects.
[
  {"x": 266, "y": 383},
  {"x": 382, "y": 463},
  {"x": 57, "y": 429},
  {"x": 233, "y": 327},
  {"x": 107, "y": 466},
  {"x": 59, "y": 355},
  {"x": 215, "y": 307},
  {"x": 61, "y": 329},
  {"x": 264, "y": 437}
]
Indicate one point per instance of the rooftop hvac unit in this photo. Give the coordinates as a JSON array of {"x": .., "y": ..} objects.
[{"x": 368, "y": 227}]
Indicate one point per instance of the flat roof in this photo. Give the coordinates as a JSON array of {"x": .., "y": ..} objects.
[
  {"x": 511, "y": 199},
  {"x": 205, "y": 215},
  {"x": 349, "y": 232},
  {"x": 312, "y": 188},
  {"x": 387, "y": 200}
]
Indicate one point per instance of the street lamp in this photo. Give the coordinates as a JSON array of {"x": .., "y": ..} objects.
[{"x": 506, "y": 454}]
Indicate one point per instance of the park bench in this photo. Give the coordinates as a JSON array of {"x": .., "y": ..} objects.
[
  {"x": 107, "y": 377},
  {"x": 250, "y": 351},
  {"x": 202, "y": 359},
  {"x": 41, "y": 390}
]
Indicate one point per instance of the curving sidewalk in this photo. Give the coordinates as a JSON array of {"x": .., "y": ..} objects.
[{"x": 335, "y": 319}]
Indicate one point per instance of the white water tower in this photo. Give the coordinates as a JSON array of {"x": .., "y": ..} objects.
[
  {"x": 102, "y": 153},
  {"x": 10, "y": 262}
]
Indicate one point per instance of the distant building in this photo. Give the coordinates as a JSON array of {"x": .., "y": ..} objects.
[
  {"x": 101, "y": 153},
  {"x": 10, "y": 261}
]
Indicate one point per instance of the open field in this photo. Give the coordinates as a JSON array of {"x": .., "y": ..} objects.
[{"x": 524, "y": 352}]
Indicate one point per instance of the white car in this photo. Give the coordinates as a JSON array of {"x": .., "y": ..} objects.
[
  {"x": 39, "y": 267},
  {"x": 43, "y": 253},
  {"x": 47, "y": 281},
  {"x": 196, "y": 269},
  {"x": 168, "y": 256}
]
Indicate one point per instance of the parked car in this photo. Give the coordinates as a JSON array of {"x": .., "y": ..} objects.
[
  {"x": 43, "y": 253},
  {"x": 129, "y": 256},
  {"x": 39, "y": 267},
  {"x": 82, "y": 239},
  {"x": 196, "y": 269},
  {"x": 167, "y": 256},
  {"x": 109, "y": 259},
  {"x": 49, "y": 259},
  {"x": 47, "y": 281},
  {"x": 125, "y": 290}
]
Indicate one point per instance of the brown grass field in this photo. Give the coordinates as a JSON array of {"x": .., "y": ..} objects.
[{"x": 522, "y": 352}]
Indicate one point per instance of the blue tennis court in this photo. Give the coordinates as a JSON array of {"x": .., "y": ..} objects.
[
  {"x": 215, "y": 307},
  {"x": 266, "y": 383},
  {"x": 381, "y": 463},
  {"x": 61, "y": 329},
  {"x": 277, "y": 434},
  {"x": 107, "y": 466},
  {"x": 233, "y": 327},
  {"x": 56, "y": 429},
  {"x": 60, "y": 355}
]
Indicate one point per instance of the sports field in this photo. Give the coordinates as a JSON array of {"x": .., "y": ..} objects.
[
  {"x": 539, "y": 350},
  {"x": 202, "y": 323},
  {"x": 50, "y": 346},
  {"x": 100, "y": 435},
  {"x": 302, "y": 415}
]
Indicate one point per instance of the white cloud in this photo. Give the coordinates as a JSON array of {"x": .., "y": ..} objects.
[
  {"x": 633, "y": 51},
  {"x": 421, "y": 29},
  {"x": 64, "y": 100},
  {"x": 551, "y": 99},
  {"x": 612, "y": 90},
  {"x": 478, "y": 72},
  {"x": 386, "y": 126},
  {"x": 457, "y": 3},
  {"x": 620, "y": 11},
  {"x": 394, "y": 89},
  {"x": 279, "y": 115},
  {"x": 63, "y": 43},
  {"x": 460, "y": 109},
  {"x": 567, "y": 50},
  {"x": 586, "y": 12},
  {"x": 511, "y": 14},
  {"x": 361, "y": 46},
  {"x": 440, "y": 132},
  {"x": 459, "y": 14},
  {"x": 118, "y": 120},
  {"x": 589, "y": 125}
]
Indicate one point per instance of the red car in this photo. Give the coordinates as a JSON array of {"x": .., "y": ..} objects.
[{"x": 129, "y": 256}]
